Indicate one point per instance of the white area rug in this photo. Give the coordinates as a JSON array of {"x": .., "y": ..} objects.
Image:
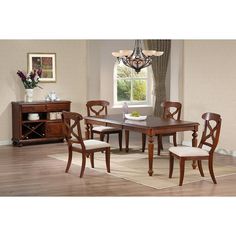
[{"x": 133, "y": 166}]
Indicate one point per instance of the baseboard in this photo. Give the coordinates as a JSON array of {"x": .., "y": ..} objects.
[
  {"x": 219, "y": 150},
  {"x": 5, "y": 142}
]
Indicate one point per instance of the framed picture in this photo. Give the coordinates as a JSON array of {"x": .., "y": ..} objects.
[{"x": 44, "y": 61}]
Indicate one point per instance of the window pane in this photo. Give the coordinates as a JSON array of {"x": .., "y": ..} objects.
[
  {"x": 123, "y": 90},
  {"x": 139, "y": 90}
]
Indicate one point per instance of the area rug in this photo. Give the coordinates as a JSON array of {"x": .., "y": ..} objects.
[{"x": 133, "y": 166}]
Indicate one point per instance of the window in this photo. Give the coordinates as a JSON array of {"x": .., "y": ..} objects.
[{"x": 131, "y": 87}]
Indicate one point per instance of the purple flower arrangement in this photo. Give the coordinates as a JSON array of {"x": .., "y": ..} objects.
[{"x": 31, "y": 80}]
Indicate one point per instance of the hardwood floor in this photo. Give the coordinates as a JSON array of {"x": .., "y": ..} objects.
[{"x": 27, "y": 171}]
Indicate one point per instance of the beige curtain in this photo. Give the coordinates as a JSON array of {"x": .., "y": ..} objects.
[{"x": 159, "y": 67}]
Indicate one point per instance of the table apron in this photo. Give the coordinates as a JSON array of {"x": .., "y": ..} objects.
[
  {"x": 154, "y": 131},
  {"x": 173, "y": 130}
]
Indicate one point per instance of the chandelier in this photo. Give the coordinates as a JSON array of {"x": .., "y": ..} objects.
[{"x": 138, "y": 58}]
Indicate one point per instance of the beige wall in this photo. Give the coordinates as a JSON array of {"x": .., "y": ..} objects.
[
  {"x": 210, "y": 85},
  {"x": 70, "y": 68},
  {"x": 93, "y": 69}
]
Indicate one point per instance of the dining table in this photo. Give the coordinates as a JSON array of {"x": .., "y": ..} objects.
[{"x": 151, "y": 126}]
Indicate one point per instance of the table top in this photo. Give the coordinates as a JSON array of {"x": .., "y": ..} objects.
[{"x": 150, "y": 122}]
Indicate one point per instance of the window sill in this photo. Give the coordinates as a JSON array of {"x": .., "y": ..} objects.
[{"x": 121, "y": 106}]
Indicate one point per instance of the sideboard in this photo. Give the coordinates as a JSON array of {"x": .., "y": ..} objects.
[{"x": 47, "y": 127}]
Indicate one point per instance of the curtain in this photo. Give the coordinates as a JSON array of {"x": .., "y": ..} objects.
[{"x": 159, "y": 67}]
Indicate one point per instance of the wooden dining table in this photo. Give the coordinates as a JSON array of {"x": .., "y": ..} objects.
[{"x": 151, "y": 126}]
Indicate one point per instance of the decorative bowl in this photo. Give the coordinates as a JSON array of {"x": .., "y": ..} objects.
[
  {"x": 129, "y": 117},
  {"x": 33, "y": 116}
]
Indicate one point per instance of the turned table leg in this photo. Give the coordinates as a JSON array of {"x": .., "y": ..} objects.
[
  {"x": 127, "y": 140},
  {"x": 150, "y": 154}
]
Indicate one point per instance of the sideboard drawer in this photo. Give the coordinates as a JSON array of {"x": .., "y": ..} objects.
[
  {"x": 58, "y": 107},
  {"x": 34, "y": 108}
]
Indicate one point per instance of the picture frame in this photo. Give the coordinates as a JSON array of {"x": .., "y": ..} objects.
[{"x": 46, "y": 62}]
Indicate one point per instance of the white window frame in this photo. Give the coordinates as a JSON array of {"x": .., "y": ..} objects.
[{"x": 149, "y": 93}]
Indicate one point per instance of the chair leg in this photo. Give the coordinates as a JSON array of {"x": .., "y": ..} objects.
[
  {"x": 108, "y": 159},
  {"x": 159, "y": 144},
  {"x": 210, "y": 165},
  {"x": 182, "y": 167},
  {"x": 174, "y": 140},
  {"x": 91, "y": 134},
  {"x": 69, "y": 159},
  {"x": 107, "y": 138},
  {"x": 120, "y": 140},
  {"x": 102, "y": 136},
  {"x": 143, "y": 142},
  {"x": 92, "y": 159},
  {"x": 199, "y": 163},
  {"x": 162, "y": 148},
  {"x": 83, "y": 165},
  {"x": 171, "y": 165}
]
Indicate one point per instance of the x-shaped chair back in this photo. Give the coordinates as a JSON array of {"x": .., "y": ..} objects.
[
  {"x": 172, "y": 110},
  {"x": 72, "y": 129},
  {"x": 211, "y": 132},
  {"x": 97, "y": 107}
]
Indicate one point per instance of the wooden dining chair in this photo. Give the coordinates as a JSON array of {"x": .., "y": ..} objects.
[
  {"x": 171, "y": 110},
  {"x": 210, "y": 138},
  {"x": 98, "y": 108},
  {"x": 75, "y": 142}
]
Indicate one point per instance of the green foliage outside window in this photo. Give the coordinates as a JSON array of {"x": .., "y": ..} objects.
[
  {"x": 139, "y": 90},
  {"x": 131, "y": 86},
  {"x": 123, "y": 90}
]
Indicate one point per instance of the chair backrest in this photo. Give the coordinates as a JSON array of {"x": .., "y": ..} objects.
[
  {"x": 211, "y": 132},
  {"x": 172, "y": 110},
  {"x": 71, "y": 128},
  {"x": 97, "y": 107}
]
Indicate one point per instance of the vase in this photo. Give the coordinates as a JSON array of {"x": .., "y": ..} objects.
[{"x": 29, "y": 95}]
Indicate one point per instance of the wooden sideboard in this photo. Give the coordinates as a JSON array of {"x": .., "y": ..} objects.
[{"x": 47, "y": 128}]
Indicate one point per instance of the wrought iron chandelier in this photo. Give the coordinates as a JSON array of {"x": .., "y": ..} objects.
[{"x": 138, "y": 58}]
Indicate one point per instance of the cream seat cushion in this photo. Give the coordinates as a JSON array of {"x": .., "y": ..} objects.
[
  {"x": 92, "y": 144},
  {"x": 188, "y": 151},
  {"x": 103, "y": 128}
]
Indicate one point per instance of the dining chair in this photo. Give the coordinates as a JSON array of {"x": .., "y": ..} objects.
[
  {"x": 98, "y": 108},
  {"x": 75, "y": 142},
  {"x": 210, "y": 138},
  {"x": 171, "y": 110}
]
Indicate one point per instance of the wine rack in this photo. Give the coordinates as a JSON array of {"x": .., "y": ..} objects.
[{"x": 33, "y": 130}]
